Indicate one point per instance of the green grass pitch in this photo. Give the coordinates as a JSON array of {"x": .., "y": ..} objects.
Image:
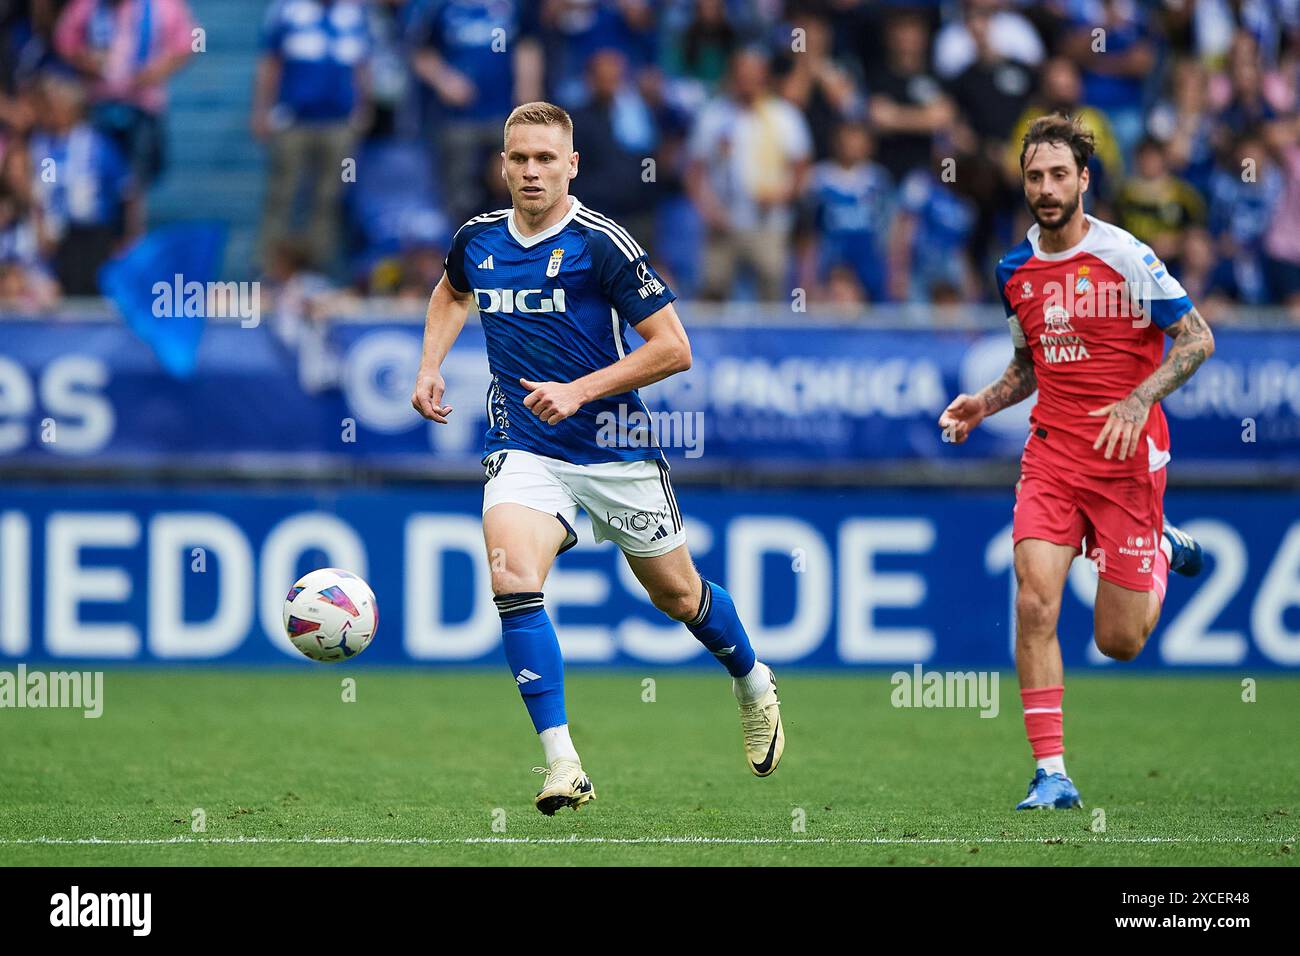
[{"x": 433, "y": 767}]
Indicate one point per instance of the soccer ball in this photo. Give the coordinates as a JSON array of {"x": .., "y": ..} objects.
[{"x": 331, "y": 615}]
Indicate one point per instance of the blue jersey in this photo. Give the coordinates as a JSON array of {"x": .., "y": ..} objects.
[
  {"x": 555, "y": 307},
  {"x": 470, "y": 36},
  {"x": 854, "y": 211},
  {"x": 945, "y": 218},
  {"x": 93, "y": 178},
  {"x": 319, "y": 46}
]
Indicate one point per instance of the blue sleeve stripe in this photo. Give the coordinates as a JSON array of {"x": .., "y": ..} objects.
[{"x": 1165, "y": 312}]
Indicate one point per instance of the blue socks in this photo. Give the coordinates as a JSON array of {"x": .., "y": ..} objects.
[
  {"x": 533, "y": 652},
  {"x": 717, "y": 626}
]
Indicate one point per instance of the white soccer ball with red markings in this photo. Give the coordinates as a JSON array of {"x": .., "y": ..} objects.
[{"x": 330, "y": 615}]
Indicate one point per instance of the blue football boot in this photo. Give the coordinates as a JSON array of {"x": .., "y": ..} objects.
[
  {"x": 1188, "y": 559},
  {"x": 1050, "y": 791}
]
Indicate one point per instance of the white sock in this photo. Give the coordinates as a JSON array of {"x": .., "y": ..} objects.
[
  {"x": 753, "y": 685},
  {"x": 556, "y": 743},
  {"x": 1167, "y": 548},
  {"x": 1053, "y": 765}
]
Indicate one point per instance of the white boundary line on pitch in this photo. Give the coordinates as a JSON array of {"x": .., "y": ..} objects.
[{"x": 541, "y": 841}]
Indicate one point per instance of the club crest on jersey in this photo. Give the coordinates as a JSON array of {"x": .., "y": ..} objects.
[
  {"x": 1057, "y": 319},
  {"x": 1059, "y": 340},
  {"x": 553, "y": 267},
  {"x": 1082, "y": 285}
]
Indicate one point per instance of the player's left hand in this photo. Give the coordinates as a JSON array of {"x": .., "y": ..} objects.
[
  {"x": 552, "y": 402},
  {"x": 1123, "y": 427}
]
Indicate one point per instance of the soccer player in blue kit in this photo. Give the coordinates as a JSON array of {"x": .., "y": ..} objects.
[{"x": 557, "y": 285}]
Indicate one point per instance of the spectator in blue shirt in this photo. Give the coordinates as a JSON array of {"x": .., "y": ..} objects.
[
  {"x": 1116, "y": 51},
  {"x": 853, "y": 204},
  {"x": 310, "y": 100},
  {"x": 26, "y": 281},
  {"x": 573, "y": 31},
  {"x": 391, "y": 82},
  {"x": 84, "y": 191},
  {"x": 929, "y": 242},
  {"x": 614, "y": 135},
  {"x": 1183, "y": 121},
  {"x": 478, "y": 59},
  {"x": 1247, "y": 105},
  {"x": 1244, "y": 194}
]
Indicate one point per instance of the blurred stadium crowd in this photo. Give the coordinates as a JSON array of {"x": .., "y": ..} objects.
[{"x": 861, "y": 152}]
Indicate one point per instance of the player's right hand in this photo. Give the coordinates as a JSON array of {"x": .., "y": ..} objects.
[
  {"x": 427, "y": 397},
  {"x": 961, "y": 415}
]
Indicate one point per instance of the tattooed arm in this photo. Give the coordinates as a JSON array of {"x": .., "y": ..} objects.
[
  {"x": 1017, "y": 383},
  {"x": 1193, "y": 344}
]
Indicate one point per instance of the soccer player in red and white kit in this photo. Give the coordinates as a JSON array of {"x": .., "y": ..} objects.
[{"x": 1089, "y": 307}]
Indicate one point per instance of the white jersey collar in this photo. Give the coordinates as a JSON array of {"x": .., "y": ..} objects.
[{"x": 529, "y": 241}]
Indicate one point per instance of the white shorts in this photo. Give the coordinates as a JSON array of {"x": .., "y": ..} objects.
[{"x": 629, "y": 502}]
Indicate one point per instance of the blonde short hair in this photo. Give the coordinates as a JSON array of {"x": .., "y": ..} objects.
[{"x": 539, "y": 114}]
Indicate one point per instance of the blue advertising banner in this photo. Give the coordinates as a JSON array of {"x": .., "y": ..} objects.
[
  {"x": 90, "y": 392},
  {"x": 825, "y": 579}
]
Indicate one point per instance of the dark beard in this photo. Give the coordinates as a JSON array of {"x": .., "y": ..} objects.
[{"x": 1068, "y": 209}]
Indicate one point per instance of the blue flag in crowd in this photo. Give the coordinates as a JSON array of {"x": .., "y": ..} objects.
[{"x": 159, "y": 284}]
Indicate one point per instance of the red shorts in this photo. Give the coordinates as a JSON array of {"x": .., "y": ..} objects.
[{"x": 1119, "y": 520}]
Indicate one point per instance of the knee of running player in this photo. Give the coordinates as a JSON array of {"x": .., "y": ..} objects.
[
  {"x": 1036, "y": 612},
  {"x": 507, "y": 579},
  {"x": 678, "y": 598},
  {"x": 1120, "y": 640}
]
